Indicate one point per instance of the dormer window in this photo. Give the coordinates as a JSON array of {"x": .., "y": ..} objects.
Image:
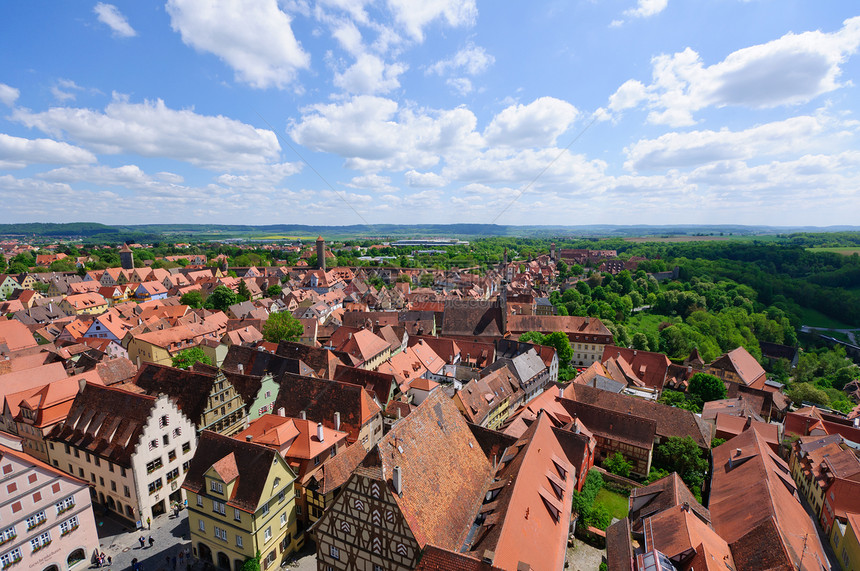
[{"x": 216, "y": 487}]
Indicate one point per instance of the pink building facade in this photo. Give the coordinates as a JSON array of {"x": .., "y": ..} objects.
[{"x": 46, "y": 518}]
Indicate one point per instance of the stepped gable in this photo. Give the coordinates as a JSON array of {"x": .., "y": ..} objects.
[
  {"x": 444, "y": 473},
  {"x": 377, "y": 383},
  {"x": 472, "y": 318},
  {"x": 215, "y": 451},
  {"x": 106, "y": 421},
  {"x": 189, "y": 388},
  {"x": 670, "y": 421},
  {"x": 321, "y": 398},
  {"x": 661, "y": 495},
  {"x": 246, "y": 385}
]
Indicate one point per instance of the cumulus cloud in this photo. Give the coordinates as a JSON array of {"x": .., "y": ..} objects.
[
  {"x": 152, "y": 129},
  {"x": 417, "y": 179},
  {"x": 129, "y": 176},
  {"x": 8, "y": 95},
  {"x": 537, "y": 124},
  {"x": 18, "y": 153},
  {"x": 109, "y": 14},
  {"x": 254, "y": 37},
  {"x": 265, "y": 176},
  {"x": 369, "y": 75},
  {"x": 375, "y": 133},
  {"x": 415, "y": 15},
  {"x": 471, "y": 60},
  {"x": 646, "y": 8},
  {"x": 790, "y": 70},
  {"x": 375, "y": 182},
  {"x": 694, "y": 148}
]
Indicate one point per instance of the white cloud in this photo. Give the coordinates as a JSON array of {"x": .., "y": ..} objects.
[
  {"x": 693, "y": 148},
  {"x": 17, "y": 152},
  {"x": 266, "y": 176},
  {"x": 537, "y": 124},
  {"x": 151, "y": 129},
  {"x": 8, "y": 95},
  {"x": 414, "y": 15},
  {"x": 790, "y": 70},
  {"x": 254, "y": 37},
  {"x": 128, "y": 176},
  {"x": 646, "y": 8},
  {"x": 375, "y": 182},
  {"x": 374, "y": 133},
  {"x": 417, "y": 179},
  {"x": 109, "y": 14},
  {"x": 369, "y": 75},
  {"x": 348, "y": 36},
  {"x": 461, "y": 85},
  {"x": 471, "y": 60}
]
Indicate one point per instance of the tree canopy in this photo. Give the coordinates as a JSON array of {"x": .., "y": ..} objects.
[
  {"x": 221, "y": 298},
  {"x": 186, "y": 358},
  {"x": 282, "y": 326},
  {"x": 707, "y": 387},
  {"x": 192, "y": 299}
]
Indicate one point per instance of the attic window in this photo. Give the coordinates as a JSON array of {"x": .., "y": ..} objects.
[
  {"x": 559, "y": 467},
  {"x": 163, "y": 421},
  {"x": 552, "y": 507}
]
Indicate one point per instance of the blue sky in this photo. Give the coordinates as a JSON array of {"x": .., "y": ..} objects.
[{"x": 431, "y": 111}]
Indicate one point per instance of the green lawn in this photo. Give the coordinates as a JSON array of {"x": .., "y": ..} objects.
[
  {"x": 817, "y": 319},
  {"x": 646, "y": 322},
  {"x": 614, "y": 502}
]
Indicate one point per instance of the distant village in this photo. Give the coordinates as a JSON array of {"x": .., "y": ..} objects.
[{"x": 402, "y": 425}]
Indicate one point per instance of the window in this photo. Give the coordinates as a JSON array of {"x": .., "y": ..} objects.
[
  {"x": 10, "y": 557},
  {"x": 237, "y": 515},
  {"x": 216, "y": 487},
  {"x": 281, "y": 496},
  {"x": 218, "y": 507},
  {"x": 276, "y": 484},
  {"x": 101, "y": 481},
  {"x": 96, "y": 461},
  {"x": 201, "y": 525},
  {"x": 317, "y": 461},
  {"x": 126, "y": 492},
  {"x": 238, "y": 541},
  {"x": 112, "y": 486},
  {"x": 77, "y": 453},
  {"x": 8, "y": 534},
  {"x": 122, "y": 472},
  {"x": 199, "y": 500},
  {"x": 177, "y": 432},
  {"x": 283, "y": 520},
  {"x": 154, "y": 465},
  {"x": 163, "y": 421},
  {"x": 88, "y": 457},
  {"x": 220, "y": 533},
  {"x": 93, "y": 477},
  {"x": 36, "y": 519},
  {"x": 185, "y": 466},
  {"x": 41, "y": 541},
  {"x": 69, "y": 526},
  {"x": 267, "y": 535},
  {"x": 171, "y": 456},
  {"x": 65, "y": 505},
  {"x": 166, "y": 440},
  {"x": 334, "y": 552},
  {"x": 266, "y": 508},
  {"x": 32, "y": 479},
  {"x": 12, "y": 488},
  {"x": 186, "y": 448},
  {"x": 155, "y": 486},
  {"x": 153, "y": 444}
]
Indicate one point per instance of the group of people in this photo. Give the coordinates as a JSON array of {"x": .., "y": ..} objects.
[
  {"x": 101, "y": 560},
  {"x": 142, "y": 541}
]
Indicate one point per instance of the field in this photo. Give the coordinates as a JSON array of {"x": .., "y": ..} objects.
[
  {"x": 843, "y": 251},
  {"x": 815, "y": 319},
  {"x": 614, "y": 502},
  {"x": 642, "y": 239},
  {"x": 646, "y": 323}
]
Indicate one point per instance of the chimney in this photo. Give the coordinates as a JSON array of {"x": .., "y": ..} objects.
[
  {"x": 248, "y": 438},
  {"x": 303, "y": 415},
  {"x": 399, "y": 414},
  {"x": 51, "y": 307},
  {"x": 398, "y": 481},
  {"x": 282, "y": 412},
  {"x": 241, "y": 369},
  {"x": 686, "y": 506},
  {"x": 737, "y": 452},
  {"x": 320, "y": 434},
  {"x": 337, "y": 421},
  {"x": 560, "y": 392}
]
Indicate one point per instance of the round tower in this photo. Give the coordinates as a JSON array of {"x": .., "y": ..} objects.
[{"x": 321, "y": 253}]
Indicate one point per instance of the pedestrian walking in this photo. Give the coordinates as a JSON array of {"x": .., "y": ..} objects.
[
  {"x": 142, "y": 542},
  {"x": 148, "y": 523},
  {"x": 151, "y": 541},
  {"x": 109, "y": 560}
]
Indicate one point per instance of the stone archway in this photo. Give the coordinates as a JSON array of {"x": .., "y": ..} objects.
[
  {"x": 51, "y": 568},
  {"x": 203, "y": 552},
  {"x": 223, "y": 561},
  {"x": 111, "y": 504}
]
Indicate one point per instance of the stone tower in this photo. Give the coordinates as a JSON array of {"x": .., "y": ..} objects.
[
  {"x": 126, "y": 257},
  {"x": 321, "y": 253}
]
